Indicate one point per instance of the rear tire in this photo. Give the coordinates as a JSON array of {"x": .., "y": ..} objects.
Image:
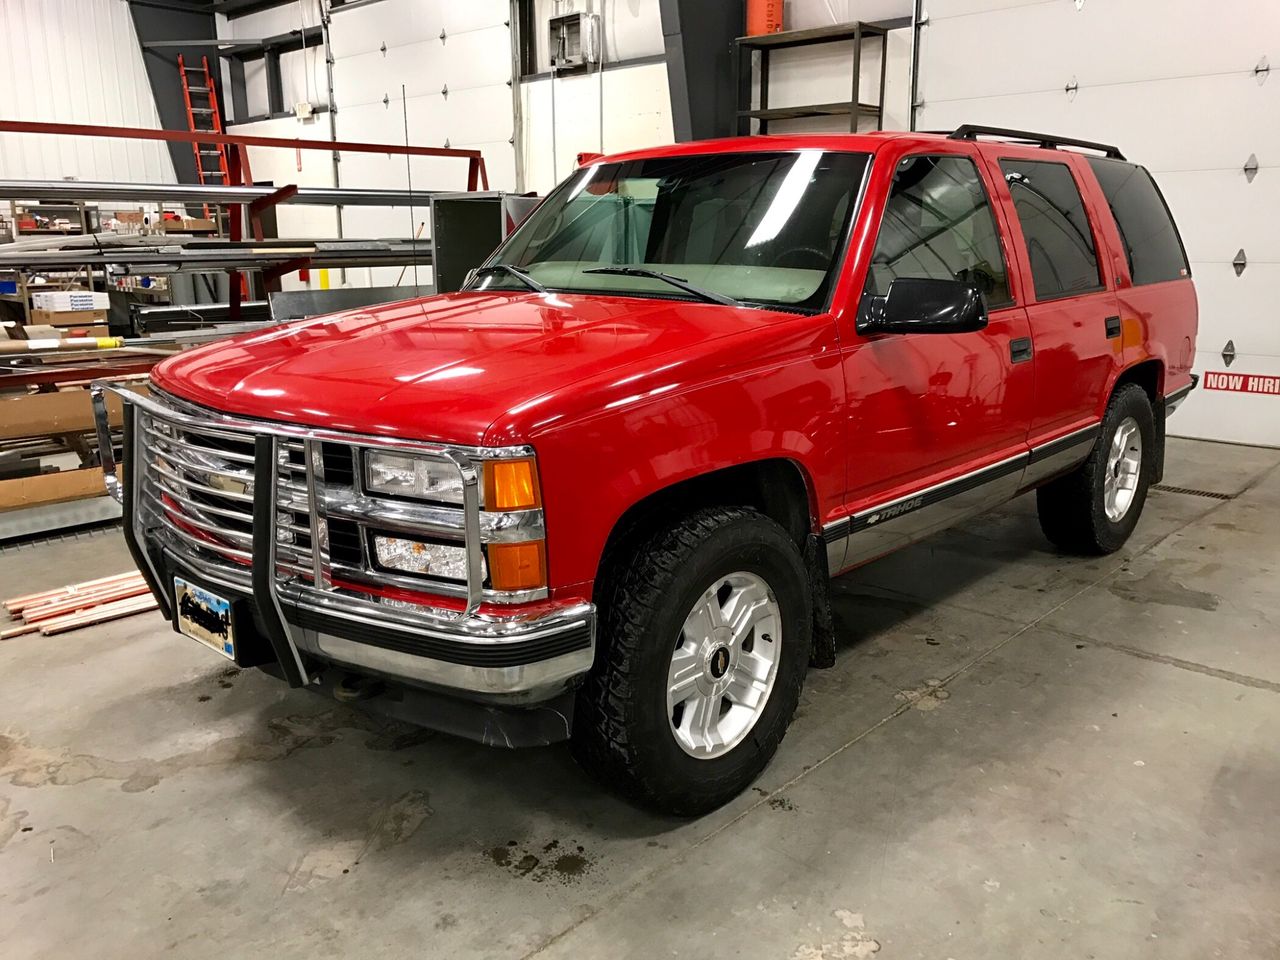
[
  {"x": 640, "y": 726},
  {"x": 1094, "y": 508}
]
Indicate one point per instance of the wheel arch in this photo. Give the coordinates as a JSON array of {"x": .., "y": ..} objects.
[
  {"x": 1148, "y": 374},
  {"x": 779, "y": 487}
]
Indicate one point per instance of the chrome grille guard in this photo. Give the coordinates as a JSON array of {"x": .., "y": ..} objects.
[{"x": 201, "y": 531}]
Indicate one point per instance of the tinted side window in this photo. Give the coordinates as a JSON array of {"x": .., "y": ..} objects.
[
  {"x": 1151, "y": 240},
  {"x": 938, "y": 225},
  {"x": 1059, "y": 241}
]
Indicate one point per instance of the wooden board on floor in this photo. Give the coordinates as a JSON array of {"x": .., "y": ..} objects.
[{"x": 47, "y": 488}]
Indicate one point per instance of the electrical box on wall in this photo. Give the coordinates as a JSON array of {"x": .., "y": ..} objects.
[{"x": 573, "y": 40}]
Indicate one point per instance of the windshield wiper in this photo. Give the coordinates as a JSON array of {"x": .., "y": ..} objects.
[
  {"x": 709, "y": 295},
  {"x": 516, "y": 272}
]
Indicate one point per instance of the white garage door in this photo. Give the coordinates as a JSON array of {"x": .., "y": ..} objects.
[
  {"x": 1182, "y": 87},
  {"x": 454, "y": 60}
]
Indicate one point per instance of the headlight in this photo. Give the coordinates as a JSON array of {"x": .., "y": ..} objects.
[
  {"x": 401, "y": 475},
  {"x": 421, "y": 558}
]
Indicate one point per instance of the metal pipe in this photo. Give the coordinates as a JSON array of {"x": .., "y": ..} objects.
[
  {"x": 235, "y": 140},
  {"x": 917, "y": 12},
  {"x": 54, "y": 344},
  {"x": 326, "y": 10},
  {"x": 517, "y": 103},
  {"x": 193, "y": 193}
]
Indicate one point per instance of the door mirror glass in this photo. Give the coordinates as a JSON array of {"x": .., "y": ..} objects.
[{"x": 922, "y": 305}]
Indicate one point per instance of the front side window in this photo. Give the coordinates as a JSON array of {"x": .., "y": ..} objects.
[
  {"x": 938, "y": 225},
  {"x": 1054, "y": 226},
  {"x": 1151, "y": 240},
  {"x": 766, "y": 229}
]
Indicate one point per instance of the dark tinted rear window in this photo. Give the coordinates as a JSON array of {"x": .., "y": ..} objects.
[
  {"x": 1150, "y": 239},
  {"x": 1055, "y": 227}
]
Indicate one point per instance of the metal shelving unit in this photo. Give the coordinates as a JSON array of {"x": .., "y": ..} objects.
[{"x": 751, "y": 51}]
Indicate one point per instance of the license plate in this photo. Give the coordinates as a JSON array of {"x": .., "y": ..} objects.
[{"x": 204, "y": 616}]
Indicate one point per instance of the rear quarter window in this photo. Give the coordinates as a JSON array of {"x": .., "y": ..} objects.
[
  {"x": 1150, "y": 238},
  {"x": 1055, "y": 227}
]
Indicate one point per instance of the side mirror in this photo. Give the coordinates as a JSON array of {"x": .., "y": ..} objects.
[{"x": 920, "y": 305}]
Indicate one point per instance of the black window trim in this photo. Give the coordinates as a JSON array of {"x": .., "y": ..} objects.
[
  {"x": 1012, "y": 302},
  {"x": 1177, "y": 234},
  {"x": 1093, "y": 230}
]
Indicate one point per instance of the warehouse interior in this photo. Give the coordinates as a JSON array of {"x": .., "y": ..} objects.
[{"x": 1014, "y": 750}]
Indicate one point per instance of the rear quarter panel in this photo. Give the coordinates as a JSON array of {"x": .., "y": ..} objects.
[{"x": 1159, "y": 321}]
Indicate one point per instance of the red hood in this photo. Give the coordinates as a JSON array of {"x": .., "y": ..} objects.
[{"x": 447, "y": 367}]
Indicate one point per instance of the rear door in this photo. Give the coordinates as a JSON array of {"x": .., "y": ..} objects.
[{"x": 1071, "y": 308}]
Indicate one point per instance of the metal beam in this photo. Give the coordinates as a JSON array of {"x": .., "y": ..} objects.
[
  {"x": 194, "y": 193},
  {"x": 698, "y": 37},
  {"x": 173, "y": 24},
  {"x": 185, "y": 136}
]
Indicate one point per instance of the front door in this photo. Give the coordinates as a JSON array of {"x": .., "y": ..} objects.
[{"x": 938, "y": 422}]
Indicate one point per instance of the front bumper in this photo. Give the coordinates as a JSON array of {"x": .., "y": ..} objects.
[{"x": 526, "y": 656}]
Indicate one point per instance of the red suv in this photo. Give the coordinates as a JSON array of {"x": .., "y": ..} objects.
[{"x": 597, "y": 494}]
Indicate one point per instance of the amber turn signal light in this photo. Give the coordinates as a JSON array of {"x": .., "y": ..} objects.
[
  {"x": 518, "y": 566},
  {"x": 511, "y": 485}
]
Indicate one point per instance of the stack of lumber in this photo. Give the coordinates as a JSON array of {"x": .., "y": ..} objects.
[{"x": 78, "y": 605}]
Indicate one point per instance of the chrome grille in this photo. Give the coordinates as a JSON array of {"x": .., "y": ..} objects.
[
  {"x": 197, "y": 492},
  {"x": 193, "y": 477},
  {"x": 294, "y": 549}
]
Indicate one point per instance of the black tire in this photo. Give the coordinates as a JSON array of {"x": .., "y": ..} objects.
[
  {"x": 622, "y": 734},
  {"x": 1072, "y": 508}
]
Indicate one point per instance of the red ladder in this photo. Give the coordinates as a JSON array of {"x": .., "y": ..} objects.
[{"x": 203, "y": 116}]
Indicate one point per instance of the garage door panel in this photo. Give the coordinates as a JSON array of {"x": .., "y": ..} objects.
[
  {"x": 471, "y": 116},
  {"x": 1095, "y": 45},
  {"x": 1238, "y": 308},
  {"x": 381, "y": 222},
  {"x": 1215, "y": 212},
  {"x": 481, "y": 114},
  {"x": 389, "y": 21},
  {"x": 1237, "y": 417},
  {"x": 474, "y": 15},
  {"x": 423, "y": 68},
  {"x": 499, "y": 160},
  {"x": 367, "y": 78},
  {"x": 945, "y": 9},
  {"x": 1230, "y": 120}
]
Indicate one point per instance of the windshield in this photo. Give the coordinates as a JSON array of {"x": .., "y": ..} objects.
[{"x": 760, "y": 228}]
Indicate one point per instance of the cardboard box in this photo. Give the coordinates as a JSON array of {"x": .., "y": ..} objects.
[
  {"x": 49, "y": 414},
  {"x": 63, "y": 301},
  {"x": 186, "y": 225},
  {"x": 70, "y": 318}
]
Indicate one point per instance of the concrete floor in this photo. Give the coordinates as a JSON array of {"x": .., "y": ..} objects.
[{"x": 1018, "y": 755}]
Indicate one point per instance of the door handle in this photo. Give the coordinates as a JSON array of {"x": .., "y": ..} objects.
[
  {"x": 1020, "y": 350},
  {"x": 1113, "y": 327}
]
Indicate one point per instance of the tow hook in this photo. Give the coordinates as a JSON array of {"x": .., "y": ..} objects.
[{"x": 354, "y": 687}]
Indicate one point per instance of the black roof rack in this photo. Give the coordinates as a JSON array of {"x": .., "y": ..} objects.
[{"x": 971, "y": 131}]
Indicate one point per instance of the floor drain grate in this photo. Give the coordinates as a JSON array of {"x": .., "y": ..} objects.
[{"x": 1194, "y": 493}]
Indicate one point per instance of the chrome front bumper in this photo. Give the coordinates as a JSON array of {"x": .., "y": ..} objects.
[{"x": 310, "y": 622}]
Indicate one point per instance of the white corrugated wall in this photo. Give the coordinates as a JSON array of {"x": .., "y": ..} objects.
[{"x": 76, "y": 61}]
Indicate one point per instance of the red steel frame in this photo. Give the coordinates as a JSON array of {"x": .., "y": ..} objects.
[{"x": 237, "y": 160}]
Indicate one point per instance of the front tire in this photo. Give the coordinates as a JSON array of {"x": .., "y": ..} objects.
[
  {"x": 705, "y": 633},
  {"x": 1093, "y": 509}
]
